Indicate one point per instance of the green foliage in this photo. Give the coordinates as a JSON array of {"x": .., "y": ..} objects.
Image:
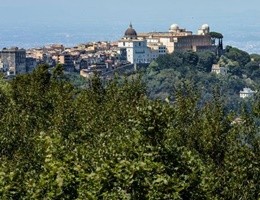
[
  {"x": 58, "y": 71},
  {"x": 190, "y": 58},
  {"x": 255, "y": 57},
  {"x": 163, "y": 75},
  {"x": 251, "y": 68},
  {"x": 169, "y": 61},
  {"x": 110, "y": 141},
  {"x": 238, "y": 55},
  {"x": 206, "y": 60},
  {"x": 216, "y": 35}
]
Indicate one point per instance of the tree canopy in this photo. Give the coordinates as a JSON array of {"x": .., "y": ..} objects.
[
  {"x": 109, "y": 140},
  {"x": 216, "y": 35}
]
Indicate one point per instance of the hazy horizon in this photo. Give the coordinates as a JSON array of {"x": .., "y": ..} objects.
[{"x": 35, "y": 23}]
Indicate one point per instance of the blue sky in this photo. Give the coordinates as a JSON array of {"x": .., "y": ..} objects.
[{"x": 57, "y": 11}]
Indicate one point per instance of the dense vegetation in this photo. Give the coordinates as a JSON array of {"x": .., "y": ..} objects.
[
  {"x": 110, "y": 141},
  {"x": 167, "y": 73}
]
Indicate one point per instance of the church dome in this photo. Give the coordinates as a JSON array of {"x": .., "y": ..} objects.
[
  {"x": 130, "y": 32},
  {"x": 174, "y": 27}
]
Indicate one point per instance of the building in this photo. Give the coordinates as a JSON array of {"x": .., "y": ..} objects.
[
  {"x": 1, "y": 66},
  {"x": 13, "y": 61},
  {"x": 57, "y": 48},
  {"x": 31, "y": 64},
  {"x": 219, "y": 70},
  {"x": 179, "y": 39},
  {"x": 67, "y": 61},
  {"x": 204, "y": 30},
  {"x": 246, "y": 92},
  {"x": 137, "y": 50}
]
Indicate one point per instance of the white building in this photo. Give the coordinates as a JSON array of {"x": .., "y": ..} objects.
[
  {"x": 204, "y": 30},
  {"x": 246, "y": 92},
  {"x": 219, "y": 70},
  {"x": 136, "y": 50}
]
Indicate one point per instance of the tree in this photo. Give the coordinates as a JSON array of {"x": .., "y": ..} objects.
[
  {"x": 238, "y": 55},
  {"x": 206, "y": 60},
  {"x": 251, "y": 66},
  {"x": 190, "y": 58},
  {"x": 219, "y": 36},
  {"x": 110, "y": 141},
  {"x": 216, "y": 35},
  {"x": 255, "y": 57}
]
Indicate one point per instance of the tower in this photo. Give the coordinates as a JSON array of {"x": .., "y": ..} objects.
[{"x": 14, "y": 60}]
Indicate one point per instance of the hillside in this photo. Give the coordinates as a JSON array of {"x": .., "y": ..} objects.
[
  {"x": 171, "y": 138},
  {"x": 168, "y": 73}
]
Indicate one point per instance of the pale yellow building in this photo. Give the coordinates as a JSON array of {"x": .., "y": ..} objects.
[
  {"x": 179, "y": 39},
  {"x": 219, "y": 70}
]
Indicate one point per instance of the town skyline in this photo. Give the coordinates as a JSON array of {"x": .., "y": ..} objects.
[{"x": 33, "y": 24}]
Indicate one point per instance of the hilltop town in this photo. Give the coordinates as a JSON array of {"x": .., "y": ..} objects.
[
  {"x": 185, "y": 126},
  {"x": 104, "y": 57}
]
